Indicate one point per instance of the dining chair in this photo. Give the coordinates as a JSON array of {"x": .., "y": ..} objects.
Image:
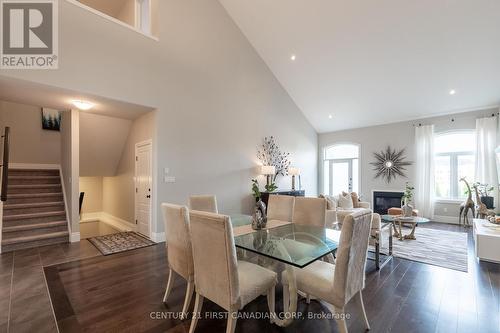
[
  {"x": 280, "y": 207},
  {"x": 204, "y": 203},
  {"x": 309, "y": 211},
  {"x": 179, "y": 252},
  {"x": 338, "y": 284},
  {"x": 218, "y": 275}
]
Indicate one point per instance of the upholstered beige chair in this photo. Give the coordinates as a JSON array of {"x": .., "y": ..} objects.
[
  {"x": 180, "y": 255},
  {"x": 337, "y": 284},
  {"x": 280, "y": 207},
  {"x": 309, "y": 211},
  {"x": 218, "y": 275},
  {"x": 204, "y": 203}
]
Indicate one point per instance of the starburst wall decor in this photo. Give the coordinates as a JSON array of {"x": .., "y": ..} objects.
[{"x": 390, "y": 164}]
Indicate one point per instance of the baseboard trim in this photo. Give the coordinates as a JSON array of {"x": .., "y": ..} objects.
[
  {"x": 90, "y": 217},
  {"x": 74, "y": 237},
  {"x": 158, "y": 237},
  {"x": 109, "y": 219},
  {"x": 445, "y": 219},
  {"x": 34, "y": 166}
]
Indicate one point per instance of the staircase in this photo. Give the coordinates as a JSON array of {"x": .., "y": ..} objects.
[{"x": 34, "y": 213}]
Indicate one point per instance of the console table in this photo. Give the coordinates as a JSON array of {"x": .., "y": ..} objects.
[
  {"x": 295, "y": 193},
  {"x": 486, "y": 240}
]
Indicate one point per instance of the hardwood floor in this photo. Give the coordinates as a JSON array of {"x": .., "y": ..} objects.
[{"x": 123, "y": 292}]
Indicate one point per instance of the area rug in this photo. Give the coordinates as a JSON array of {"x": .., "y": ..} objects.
[
  {"x": 120, "y": 242},
  {"x": 446, "y": 249}
]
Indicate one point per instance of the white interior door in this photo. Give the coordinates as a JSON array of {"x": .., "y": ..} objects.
[{"x": 143, "y": 183}]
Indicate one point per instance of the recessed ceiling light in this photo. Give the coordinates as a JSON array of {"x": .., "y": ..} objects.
[
  {"x": 293, "y": 57},
  {"x": 82, "y": 105},
  {"x": 452, "y": 92},
  {"x": 330, "y": 116}
]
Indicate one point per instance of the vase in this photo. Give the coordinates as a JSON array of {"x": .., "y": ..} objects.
[
  {"x": 259, "y": 218},
  {"x": 407, "y": 209}
]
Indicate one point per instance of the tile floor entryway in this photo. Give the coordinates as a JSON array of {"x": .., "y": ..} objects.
[{"x": 24, "y": 301}]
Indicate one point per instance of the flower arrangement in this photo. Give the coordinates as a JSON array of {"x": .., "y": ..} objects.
[{"x": 270, "y": 153}]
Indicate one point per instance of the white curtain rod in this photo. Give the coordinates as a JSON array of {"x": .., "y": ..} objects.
[{"x": 452, "y": 119}]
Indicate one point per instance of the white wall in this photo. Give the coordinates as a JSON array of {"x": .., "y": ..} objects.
[
  {"x": 397, "y": 135},
  {"x": 102, "y": 140},
  {"x": 92, "y": 201},
  {"x": 216, "y": 98},
  {"x": 29, "y": 143},
  {"x": 119, "y": 191},
  {"x": 70, "y": 169}
]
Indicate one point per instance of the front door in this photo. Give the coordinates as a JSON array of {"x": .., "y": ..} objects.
[
  {"x": 143, "y": 187},
  {"x": 340, "y": 176}
]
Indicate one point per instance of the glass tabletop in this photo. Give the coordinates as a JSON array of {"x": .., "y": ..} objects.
[
  {"x": 294, "y": 244},
  {"x": 397, "y": 218}
]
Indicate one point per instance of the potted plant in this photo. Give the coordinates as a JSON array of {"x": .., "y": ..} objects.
[
  {"x": 407, "y": 197},
  {"x": 255, "y": 189}
]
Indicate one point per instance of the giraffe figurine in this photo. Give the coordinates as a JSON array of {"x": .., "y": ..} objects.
[
  {"x": 467, "y": 205},
  {"x": 482, "y": 212}
]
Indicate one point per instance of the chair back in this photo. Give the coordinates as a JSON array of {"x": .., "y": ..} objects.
[
  {"x": 280, "y": 207},
  {"x": 349, "y": 276},
  {"x": 309, "y": 211},
  {"x": 203, "y": 203},
  {"x": 215, "y": 263},
  {"x": 179, "y": 252}
]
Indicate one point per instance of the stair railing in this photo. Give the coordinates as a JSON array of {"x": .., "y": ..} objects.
[{"x": 5, "y": 164}]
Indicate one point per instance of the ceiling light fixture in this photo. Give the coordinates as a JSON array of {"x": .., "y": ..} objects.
[
  {"x": 452, "y": 92},
  {"x": 82, "y": 105},
  {"x": 293, "y": 57},
  {"x": 330, "y": 116}
]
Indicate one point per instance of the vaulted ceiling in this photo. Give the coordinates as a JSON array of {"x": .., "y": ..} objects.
[{"x": 361, "y": 63}]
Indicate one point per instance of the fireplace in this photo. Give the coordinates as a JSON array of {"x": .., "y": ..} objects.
[{"x": 383, "y": 200}]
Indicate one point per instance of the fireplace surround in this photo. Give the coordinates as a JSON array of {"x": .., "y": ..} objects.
[{"x": 383, "y": 200}]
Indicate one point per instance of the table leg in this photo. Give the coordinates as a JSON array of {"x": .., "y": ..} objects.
[
  {"x": 394, "y": 226},
  {"x": 412, "y": 234},
  {"x": 390, "y": 244},
  {"x": 400, "y": 231},
  {"x": 290, "y": 302}
]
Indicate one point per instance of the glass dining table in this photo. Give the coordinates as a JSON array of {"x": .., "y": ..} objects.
[{"x": 295, "y": 245}]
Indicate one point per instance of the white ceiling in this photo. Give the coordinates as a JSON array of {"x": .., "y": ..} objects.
[
  {"x": 25, "y": 92},
  {"x": 373, "y": 62}
]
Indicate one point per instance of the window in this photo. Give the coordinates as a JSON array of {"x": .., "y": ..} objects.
[
  {"x": 341, "y": 169},
  {"x": 140, "y": 15},
  {"x": 454, "y": 159}
]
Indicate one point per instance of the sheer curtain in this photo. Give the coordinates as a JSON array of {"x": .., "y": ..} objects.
[
  {"x": 486, "y": 142},
  {"x": 424, "y": 185}
]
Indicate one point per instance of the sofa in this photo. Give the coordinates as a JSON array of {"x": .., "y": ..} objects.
[
  {"x": 336, "y": 211},
  {"x": 335, "y": 215}
]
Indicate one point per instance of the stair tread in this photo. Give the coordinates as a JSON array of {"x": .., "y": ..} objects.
[
  {"x": 33, "y": 177},
  {"x": 31, "y": 238},
  {"x": 34, "y": 195},
  {"x": 33, "y": 205},
  {"x": 34, "y": 185},
  {"x": 33, "y": 215},
  {"x": 34, "y": 226}
]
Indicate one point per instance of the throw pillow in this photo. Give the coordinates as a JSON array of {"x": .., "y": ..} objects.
[
  {"x": 355, "y": 200},
  {"x": 331, "y": 204},
  {"x": 345, "y": 201},
  {"x": 354, "y": 197}
]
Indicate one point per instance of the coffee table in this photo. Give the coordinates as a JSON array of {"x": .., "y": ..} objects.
[{"x": 398, "y": 220}]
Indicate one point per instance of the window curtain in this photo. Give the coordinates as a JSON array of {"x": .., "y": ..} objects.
[
  {"x": 424, "y": 185},
  {"x": 486, "y": 142}
]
